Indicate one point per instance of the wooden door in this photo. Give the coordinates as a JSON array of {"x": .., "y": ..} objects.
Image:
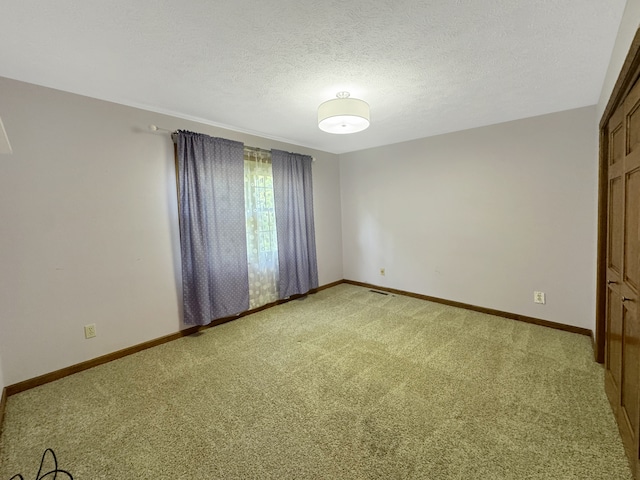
[{"x": 622, "y": 354}]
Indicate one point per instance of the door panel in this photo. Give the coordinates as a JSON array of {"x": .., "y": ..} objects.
[
  {"x": 614, "y": 337},
  {"x": 614, "y": 247},
  {"x": 622, "y": 349},
  {"x": 633, "y": 128},
  {"x": 616, "y": 142},
  {"x": 632, "y": 214},
  {"x": 631, "y": 358}
]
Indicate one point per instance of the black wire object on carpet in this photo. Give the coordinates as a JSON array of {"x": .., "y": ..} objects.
[{"x": 51, "y": 474}]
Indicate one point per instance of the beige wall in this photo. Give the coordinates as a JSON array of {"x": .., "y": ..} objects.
[
  {"x": 90, "y": 230},
  {"x": 483, "y": 216}
]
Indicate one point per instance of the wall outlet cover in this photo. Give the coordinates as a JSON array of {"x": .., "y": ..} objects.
[
  {"x": 539, "y": 297},
  {"x": 90, "y": 330}
]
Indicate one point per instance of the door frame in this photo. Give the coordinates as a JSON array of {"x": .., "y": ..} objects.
[{"x": 629, "y": 75}]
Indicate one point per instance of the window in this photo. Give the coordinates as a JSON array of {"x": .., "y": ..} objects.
[{"x": 262, "y": 241}]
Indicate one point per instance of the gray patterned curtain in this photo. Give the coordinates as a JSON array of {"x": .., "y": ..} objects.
[
  {"x": 293, "y": 195},
  {"x": 215, "y": 280}
]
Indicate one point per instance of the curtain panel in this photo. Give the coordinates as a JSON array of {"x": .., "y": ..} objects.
[
  {"x": 212, "y": 227},
  {"x": 293, "y": 197}
]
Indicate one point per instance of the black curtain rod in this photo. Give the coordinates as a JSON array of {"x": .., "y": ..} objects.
[{"x": 155, "y": 128}]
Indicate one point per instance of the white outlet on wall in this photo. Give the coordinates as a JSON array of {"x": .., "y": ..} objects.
[
  {"x": 90, "y": 331},
  {"x": 538, "y": 297}
]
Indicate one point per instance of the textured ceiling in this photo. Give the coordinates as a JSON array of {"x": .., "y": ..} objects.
[{"x": 425, "y": 66}]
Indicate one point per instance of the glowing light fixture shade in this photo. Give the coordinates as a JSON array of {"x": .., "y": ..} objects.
[{"x": 343, "y": 115}]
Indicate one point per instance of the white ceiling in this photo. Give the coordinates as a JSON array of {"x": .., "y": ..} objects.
[{"x": 425, "y": 66}]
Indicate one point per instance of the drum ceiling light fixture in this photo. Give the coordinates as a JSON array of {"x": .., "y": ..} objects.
[{"x": 343, "y": 115}]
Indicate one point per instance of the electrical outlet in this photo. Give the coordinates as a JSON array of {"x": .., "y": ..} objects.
[
  {"x": 90, "y": 331},
  {"x": 538, "y": 297},
  {"x": 382, "y": 272}
]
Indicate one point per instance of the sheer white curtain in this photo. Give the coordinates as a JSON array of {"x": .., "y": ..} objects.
[{"x": 262, "y": 241}]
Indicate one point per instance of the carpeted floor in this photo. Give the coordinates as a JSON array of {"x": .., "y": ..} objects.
[{"x": 345, "y": 384}]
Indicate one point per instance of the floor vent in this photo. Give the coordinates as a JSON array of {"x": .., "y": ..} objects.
[{"x": 379, "y": 293}]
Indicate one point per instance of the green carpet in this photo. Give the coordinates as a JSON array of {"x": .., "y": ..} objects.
[{"x": 344, "y": 384}]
